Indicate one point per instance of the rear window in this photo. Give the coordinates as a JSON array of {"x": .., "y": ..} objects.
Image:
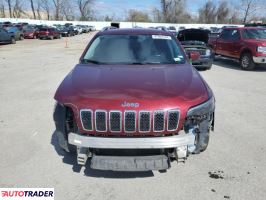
[{"x": 134, "y": 49}]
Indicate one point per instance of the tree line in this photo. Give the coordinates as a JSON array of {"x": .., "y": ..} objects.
[{"x": 168, "y": 11}]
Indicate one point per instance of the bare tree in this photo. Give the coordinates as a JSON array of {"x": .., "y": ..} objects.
[
  {"x": 137, "y": 16},
  {"x": 157, "y": 16},
  {"x": 84, "y": 9},
  {"x": 249, "y": 7},
  {"x": 45, "y": 5},
  {"x": 32, "y": 8},
  {"x": 222, "y": 13},
  {"x": 18, "y": 9},
  {"x": 58, "y": 5},
  {"x": 207, "y": 13},
  {"x": 67, "y": 11},
  {"x": 38, "y": 9},
  {"x": 9, "y": 3},
  {"x": 2, "y": 9},
  {"x": 174, "y": 11}
]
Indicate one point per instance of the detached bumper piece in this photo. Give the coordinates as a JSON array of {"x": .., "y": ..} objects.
[
  {"x": 182, "y": 145},
  {"x": 123, "y": 163},
  {"x": 132, "y": 143}
]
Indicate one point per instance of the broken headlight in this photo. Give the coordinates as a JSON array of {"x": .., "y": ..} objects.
[{"x": 201, "y": 112}]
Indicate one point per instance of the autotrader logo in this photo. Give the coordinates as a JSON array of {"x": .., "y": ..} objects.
[{"x": 27, "y": 193}]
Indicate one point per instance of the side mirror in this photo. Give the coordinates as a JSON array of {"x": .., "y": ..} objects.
[{"x": 193, "y": 55}]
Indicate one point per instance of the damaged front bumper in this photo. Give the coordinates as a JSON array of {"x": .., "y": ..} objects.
[{"x": 132, "y": 143}]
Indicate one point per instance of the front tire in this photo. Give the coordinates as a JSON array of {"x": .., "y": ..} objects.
[{"x": 246, "y": 62}]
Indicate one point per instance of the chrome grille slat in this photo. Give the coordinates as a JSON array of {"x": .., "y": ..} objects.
[
  {"x": 158, "y": 121},
  {"x": 172, "y": 120},
  {"x": 144, "y": 121},
  {"x": 115, "y": 121},
  {"x": 101, "y": 120},
  {"x": 86, "y": 119},
  {"x": 130, "y": 121}
]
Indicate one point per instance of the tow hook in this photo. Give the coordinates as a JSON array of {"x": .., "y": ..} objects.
[
  {"x": 181, "y": 154},
  {"x": 82, "y": 155}
]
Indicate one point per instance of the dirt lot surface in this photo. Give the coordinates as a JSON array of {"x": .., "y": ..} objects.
[{"x": 233, "y": 167}]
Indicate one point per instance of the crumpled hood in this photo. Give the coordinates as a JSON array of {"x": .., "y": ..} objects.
[{"x": 107, "y": 87}]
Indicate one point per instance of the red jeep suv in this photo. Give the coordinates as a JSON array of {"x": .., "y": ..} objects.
[
  {"x": 134, "y": 103},
  {"x": 49, "y": 33}
]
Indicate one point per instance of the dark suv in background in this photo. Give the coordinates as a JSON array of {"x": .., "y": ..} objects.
[{"x": 67, "y": 31}]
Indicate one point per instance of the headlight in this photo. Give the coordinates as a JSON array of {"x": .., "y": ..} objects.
[
  {"x": 202, "y": 111},
  {"x": 261, "y": 49},
  {"x": 208, "y": 52}
]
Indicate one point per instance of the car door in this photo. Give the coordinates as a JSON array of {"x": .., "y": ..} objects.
[
  {"x": 234, "y": 44},
  {"x": 4, "y": 37},
  {"x": 222, "y": 42}
]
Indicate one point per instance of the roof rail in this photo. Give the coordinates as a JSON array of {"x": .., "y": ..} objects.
[{"x": 108, "y": 28}]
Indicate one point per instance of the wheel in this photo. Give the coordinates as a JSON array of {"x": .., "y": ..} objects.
[
  {"x": 60, "y": 113},
  {"x": 246, "y": 61},
  {"x": 51, "y": 37},
  {"x": 13, "y": 41},
  {"x": 21, "y": 37},
  {"x": 34, "y": 37}
]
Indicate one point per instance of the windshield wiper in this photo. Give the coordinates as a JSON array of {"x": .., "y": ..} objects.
[{"x": 91, "y": 61}]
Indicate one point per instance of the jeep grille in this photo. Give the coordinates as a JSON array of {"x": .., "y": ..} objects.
[{"x": 133, "y": 121}]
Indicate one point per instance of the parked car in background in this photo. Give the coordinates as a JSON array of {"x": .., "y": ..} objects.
[
  {"x": 196, "y": 40},
  {"x": 75, "y": 29},
  {"x": 172, "y": 29},
  {"x": 246, "y": 44},
  {"x": 30, "y": 33},
  {"x": 67, "y": 31},
  {"x": 49, "y": 33},
  {"x": 78, "y": 30},
  {"x": 6, "y": 38},
  {"x": 16, "y": 32},
  {"x": 91, "y": 28},
  {"x": 258, "y": 25},
  {"x": 181, "y": 28},
  {"x": 85, "y": 28},
  {"x": 163, "y": 28},
  {"x": 6, "y": 24}
]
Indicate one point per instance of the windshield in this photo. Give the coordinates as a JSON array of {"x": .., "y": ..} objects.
[
  {"x": 134, "y": 49},
  {"x": 254, "y": 34}
]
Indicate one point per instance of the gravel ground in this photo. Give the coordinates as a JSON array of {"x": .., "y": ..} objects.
[{"x": 233, "y": 167}]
